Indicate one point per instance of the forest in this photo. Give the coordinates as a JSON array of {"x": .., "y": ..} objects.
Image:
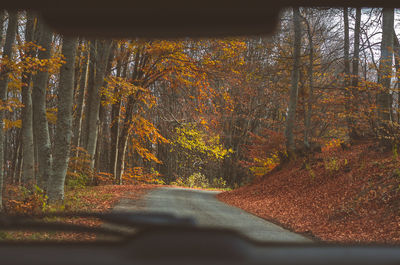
[{"x": 210, "y": 113}]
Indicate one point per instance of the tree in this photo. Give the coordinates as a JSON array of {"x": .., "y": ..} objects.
[
  {"x": 40, "y": 127},
  {"x": 384, "y": 99},
  {"x": 28, "y": 161},
  {"x": 351, "y": 79},
  {"x": 290, "y": 120},
  {"x": 81, "y": 91},
  {"x": 346, "y": 59},
  {"x": 99, "y": 57},
  {"x": 4, "y": 79},
  {"x": 2, "y": 18},
  {"x": 356, "y": 56},
  {"x": 354, "y": 134},
  {"x": 55, "y": 187},
  {"x": 132, "y": 96},
  {"x": 309, "y": 103},
  {"x": 122, "y": 58}
]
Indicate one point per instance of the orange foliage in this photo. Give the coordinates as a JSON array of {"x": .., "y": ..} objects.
[
  {"x": 19, "y": 200},
  {"x": 137, "y": 175},
  {"x": 332, "y": 145},
  {"x": 358, "y": 202},
  {"x": 263, "y": 151}
]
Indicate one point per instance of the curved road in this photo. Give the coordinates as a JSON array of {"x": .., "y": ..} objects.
[{"x": 202, "y": 206}]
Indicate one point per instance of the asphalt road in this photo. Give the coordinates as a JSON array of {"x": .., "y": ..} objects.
[{"x": 209, "y": 211}]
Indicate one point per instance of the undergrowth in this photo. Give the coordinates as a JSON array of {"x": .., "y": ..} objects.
[
  {"x": 79, "y": 199},
  {"x": 198, "y": 180}
]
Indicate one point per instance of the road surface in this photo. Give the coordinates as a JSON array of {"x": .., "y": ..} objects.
[{"x": 209, "y": 211}]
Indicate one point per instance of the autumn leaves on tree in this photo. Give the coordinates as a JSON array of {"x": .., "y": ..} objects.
[{"x": 86, "y": 111}]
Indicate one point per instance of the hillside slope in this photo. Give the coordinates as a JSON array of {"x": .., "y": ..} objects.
[{"x": 338, "y": 195}]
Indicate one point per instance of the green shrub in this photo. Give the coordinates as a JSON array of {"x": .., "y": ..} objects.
[
  {"x": 310, "y": 171},
  {"x": 179, "y": 182},
  {"x": 332, "y": 164},
  {"x": 197, "y": 180},
  {"x": 218, "y": 183},
  {"x": 25, "y": 201},
  {"x": 77, "y": 180}
]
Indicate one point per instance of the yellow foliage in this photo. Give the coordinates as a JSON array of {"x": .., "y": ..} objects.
[
  {"x": 263, "y": 166},
  {"x": 196, "y": 141},
  {"x": 9, "y": 124},
  {"x": 51, "y": 115},
  {"x": 10, "y": 104}
]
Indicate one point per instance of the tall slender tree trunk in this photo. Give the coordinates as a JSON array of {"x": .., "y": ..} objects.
[
  {"x": 122, "y": 69},
  {"x": 356, "y": 56},
  {"x": 354, "y": 133},
  {"x": 87, "y": 98},
  {"x": 120, "y": 165},
  {"x": 103, "y": 143},
  {"x": 41, "y": 127},
  {"x": 385, "y": 67},
  {"x": 346, "y": 46},
  {"x": 28, "y": 164},
  {"x": 291, "y": 116},
  {"x": 63, "y": 134},
  {"x": 352, "y": 92},
  {"x": 101, "y": 58},
  {"x": 123, "y": 139},
  {"x": 99, "y": 146},
  {"x": 396, "y": 50},
  {"x": 2, "y": 18},
  {"x": 16, "y": 158},
  {"x": 7, "y": 54},
  {"x": 19, "y": 165},
  {"x": 82, "y": 85},
  {"x": 310, "y": 100},
  {"x": 346, "y": 51},
  {"x": 115, "y": 112}
]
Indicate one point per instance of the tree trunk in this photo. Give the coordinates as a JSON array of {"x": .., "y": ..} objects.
[
  {"x": 120, "y": 165},
  {"x": 291, "y": 116},
  {"x": 346, "y": 47},
  {"x": 16, "y": 158},
  {"x": 81, "y": 97},
  {"x": 308, "y": 114},
  {"x": 101, "y": 58},
  {"x": 28, "y": 164},
  {"x": 40, "y": 125},
  {"x": 64, "y": 122},
  {"x": 115, "y": 112},
  {"x": 354, "y": 134},
  {"x": 7, "y": 54},
  {"x": 19, "y": 167},
  {"x": 99, "y": 146},
  {"x": 346, "y": 56},
  {"x": 2, "y": 18},
  {"x": 122, "y": 69},
  {"x": 123, "y": 139},
  {"x": 356, "y": 56},
  {"x": 102, "y": 150},
  {"x": 385, "y": 67},
  {"x": 396, "y": 50},
  {"x": 89, "y": 86}
]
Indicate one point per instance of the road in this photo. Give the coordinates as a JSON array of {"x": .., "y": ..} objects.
[{"x": 209, "y": 211}]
